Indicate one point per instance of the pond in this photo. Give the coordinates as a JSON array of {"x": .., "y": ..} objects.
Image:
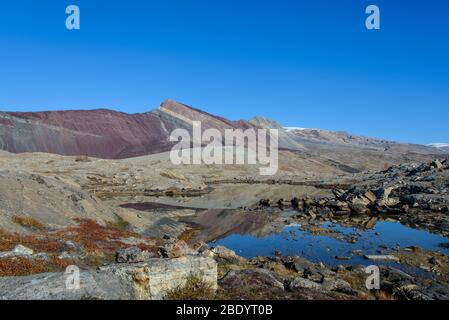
[{"x": 382, "y": 239}]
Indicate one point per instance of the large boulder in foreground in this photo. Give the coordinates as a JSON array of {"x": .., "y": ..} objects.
[{"x": 150, "y": 280}]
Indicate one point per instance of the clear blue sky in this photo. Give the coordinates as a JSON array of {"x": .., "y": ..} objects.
[{"x": 302, "y": 63}]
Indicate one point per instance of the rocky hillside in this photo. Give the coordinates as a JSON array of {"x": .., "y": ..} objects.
[
  {"x": 101, "y": 133},
  {"x": 98, "y": 133}
]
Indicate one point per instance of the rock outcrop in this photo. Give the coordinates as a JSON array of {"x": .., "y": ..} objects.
[{"x": 149, "y": 280}]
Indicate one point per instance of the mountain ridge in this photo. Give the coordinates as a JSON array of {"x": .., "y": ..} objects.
[{"x": 110, "y": 134}]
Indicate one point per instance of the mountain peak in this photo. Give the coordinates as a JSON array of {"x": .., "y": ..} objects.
[
  {"x": 265, "y": 123},
  {"x": 170, "y": 103}
]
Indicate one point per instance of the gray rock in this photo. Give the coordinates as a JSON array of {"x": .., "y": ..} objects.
[
  {"x": 382, "y": 194},
  {"x": 382, "y": 258},
  {"x": 436, "y": 164},
  {"x": 132, "y": 255},
  {"x": 151, "y": 280},
  {"x": 18, "y": 251},
  {"x": 301, "y": 283},
  {"x": 300, "y": 265},
  {"x": 22, "y": 250},
  {"x": 359, "y": 209},
  {"x": 52, "y": 286},
  {"x": 224, "y": 254},
  {"x": 175, "y": 249},
  {"x": 259, "y": 281},
  {"x": 334, "y": 284}
]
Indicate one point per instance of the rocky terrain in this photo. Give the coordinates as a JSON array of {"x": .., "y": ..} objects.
[{"x": 124, "y": 220}]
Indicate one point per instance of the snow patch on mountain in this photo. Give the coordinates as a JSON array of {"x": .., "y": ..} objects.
[
  {"x": 289, "y": 129},
  {"x": 439, "y": 145}
]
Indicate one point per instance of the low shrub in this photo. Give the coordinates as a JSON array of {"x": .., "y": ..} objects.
[
  {"x": 20, "y": 266},
  {"x": 29, "y": 222},
  {"x": 82, "y": 158},
  {"x": 194, "y": 289}
]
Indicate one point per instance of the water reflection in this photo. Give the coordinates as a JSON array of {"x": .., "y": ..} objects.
[{"x": 384, "y": 237}]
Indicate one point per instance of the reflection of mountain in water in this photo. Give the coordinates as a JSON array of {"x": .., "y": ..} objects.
[{"x": 216, "y": 224}]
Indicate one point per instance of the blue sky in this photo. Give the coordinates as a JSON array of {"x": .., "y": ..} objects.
[{"x": 302, "y": 63}]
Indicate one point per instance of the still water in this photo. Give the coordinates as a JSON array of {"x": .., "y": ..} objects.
[{"x": 382, "y": 239}]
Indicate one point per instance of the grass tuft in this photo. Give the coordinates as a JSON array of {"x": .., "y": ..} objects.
[
  {"x": 120, "y": 224},
  {"x": 194, "y": 289},
  {"x": 28, "y": 222},
  {"x": 188, "y": 235},
  {"x": 82, "y": 158}
]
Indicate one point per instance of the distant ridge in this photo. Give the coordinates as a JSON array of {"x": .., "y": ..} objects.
[{"x": 441, "y": 146}]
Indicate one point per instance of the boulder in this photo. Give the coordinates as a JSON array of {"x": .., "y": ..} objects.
[
  {"x": 392, "y": 202},
  {"x": 370, "y": 196},
  {"x": 226, "y": 255},
  {"x": 132, "y": 255},
  {"x": 154, "y": 279},
  {"x": 174, "y": 249},
  {"x": 312, "y": 214},
  {"x": 436, "y": 164},
  {"x": 338, "y": 205},
  {"x": 22, "y": 250},
  {"x": 301, "y": 283},
  {"x": 306, "y": 268},
  {"x": 18, "y": 251},
  {"x": 334, "y": 284},
  {"x": 261, "y": 276},
  {"x": 359, "y": 209},
  {"x": 296, "y": 204},
  {"x": 254, "y": 284},
  {"x": 281, "y": 204},
  {"x": 411, "y": 200},
  {"x": 338, "y": 193},
  {"x": 360, "y": 200},
  {"x": 382, "y": 194}
]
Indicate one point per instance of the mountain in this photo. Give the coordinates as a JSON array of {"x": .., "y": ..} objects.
[
  {"x": 311, "y": 137},
  {"x": 102, "y": 133},
  {"x": 298, "y": 138},
  {"x": 116, "y": 135},
  {"x": 440, "y": 146},
  {"x": 97, "y": 133}
]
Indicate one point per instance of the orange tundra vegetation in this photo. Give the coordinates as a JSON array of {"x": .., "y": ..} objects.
[
  {"x": 28, "y": 222},
  {"x": 13, "y": 267},
  {"x": 98, "y": 242}
]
